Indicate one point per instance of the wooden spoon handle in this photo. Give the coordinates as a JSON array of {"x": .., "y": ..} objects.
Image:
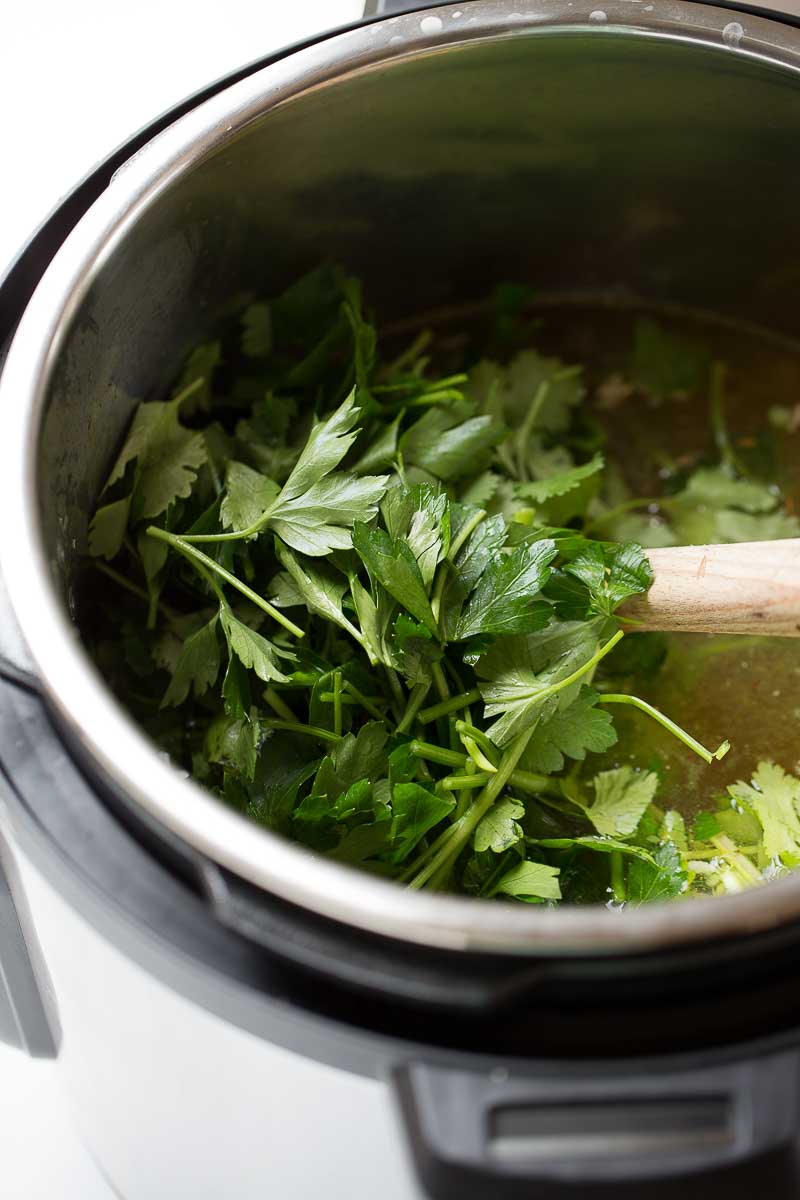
[{"x": 749, "y": 587}]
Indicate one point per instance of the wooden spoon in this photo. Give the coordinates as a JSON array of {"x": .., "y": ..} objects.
[{"x": 748, "y": 587}]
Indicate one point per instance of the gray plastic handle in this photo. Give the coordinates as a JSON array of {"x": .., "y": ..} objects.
[{"x": 593, "y": 1131}]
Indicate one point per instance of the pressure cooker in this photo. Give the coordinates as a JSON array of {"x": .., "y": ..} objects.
[{"x": 232, "y": 1016}]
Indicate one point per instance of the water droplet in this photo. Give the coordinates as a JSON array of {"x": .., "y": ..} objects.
[
  {"x": 648, "y": 8},
  {"x": 396, "y": 40},
  {"x": 431, "y": 24},
  {"x": 598, "y": 16},
  {"x": 732, "y": 34},
  {"x": 456, "y": 15}
]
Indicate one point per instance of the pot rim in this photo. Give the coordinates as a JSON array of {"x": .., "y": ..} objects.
[{"x": 73, "y": 687}]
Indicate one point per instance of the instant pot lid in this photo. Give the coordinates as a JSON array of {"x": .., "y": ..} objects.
[{"x": 32, "y": 557}]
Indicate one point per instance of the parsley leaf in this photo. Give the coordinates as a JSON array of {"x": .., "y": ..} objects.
[
  {"x": 520, "y": 673},
  {"x": 197, "y": 666},
  {"x": 610, "y": 574},
  {"x": 499, "y": 830},
  {"x": 560, "y": 483},
  {"x": 416, "y": 811},
  {"x": 571, "y": 732},
  {"x": 247, "y": 494},
  {"x": 621, "y": 797},
  {"x": 662, "y": 879},
  {"x": 667, "y": 364},
  {"x": 392, "y": 565},
  {"x": 252, "y": 649},
  {"x": 774, "y": 797},
  {"x": 167, "y": 456},
  {"x": 530, "y": 881},
  {"x": 505, "y": 600},
  {"x": 448, "y": 447}
]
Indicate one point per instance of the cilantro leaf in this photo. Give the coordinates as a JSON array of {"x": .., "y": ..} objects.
[
  {"x": 505, "y": 600},
  {"x": 530, "y": 881},
  {"x": 315, "y": 510},
  {"x": 763, "y": 527},
  {"x": 621, "y": 797},
  {"x": 321, "y": 519}
]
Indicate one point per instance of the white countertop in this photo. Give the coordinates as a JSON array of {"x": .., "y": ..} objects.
[{"x": 75, "y": 81}]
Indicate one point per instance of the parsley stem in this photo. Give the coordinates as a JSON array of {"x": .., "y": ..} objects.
[
  {"x": 364, "y": 701},
  {"x": 445, "y": 707},
  {"x": 325, "y": 735},
  {"x": 415, "y": 701},
  {"x": 188, "y": 391},
  {"x": 440, "y": 681},
  {"x": 463, "y": 728},
  {"x": 477, "y": 755},
  {"x": 581, "y": 671},
  {"x": 279, "y": 705},
  {"x": 522, "y": 437},
  {"x": 337, "y": 703},
  {"x": 180, "y": 544},
  {"x": 729, "y": 457},
  {"x": 707, "y": 756},
  {"x": 526, "y": 781},
  {"x": 459, "y": 783},
  {"x": 408, "y": 356},
  {"x": 437, "y": 754},
  {"x": 399, "y": 699},
  {"x": 462, "y": 830},
  {"x": 618, "y": 875},
  {"x": 170, "y": 613}
]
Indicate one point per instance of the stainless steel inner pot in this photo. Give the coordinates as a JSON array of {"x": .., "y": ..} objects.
[{"x": 645, "y": 149}]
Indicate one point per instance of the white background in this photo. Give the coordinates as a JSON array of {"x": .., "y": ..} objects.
[{"x": 75, "y": 81}]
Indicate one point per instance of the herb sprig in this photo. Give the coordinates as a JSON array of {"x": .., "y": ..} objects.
[{"x": 371, "y": 605}]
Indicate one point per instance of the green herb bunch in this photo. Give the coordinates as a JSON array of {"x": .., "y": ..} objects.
[{"x": 359, "y": 600}]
